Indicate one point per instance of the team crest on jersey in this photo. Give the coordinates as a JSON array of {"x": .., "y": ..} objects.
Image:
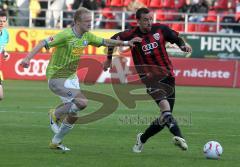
[
  {"x": 156, "y": 36},
  {"x": 85, "y": 43},
  {"x": 50, "y": 39}
]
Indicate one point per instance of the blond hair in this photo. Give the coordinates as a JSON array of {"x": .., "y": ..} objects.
[{"x": 80, "y": 12}]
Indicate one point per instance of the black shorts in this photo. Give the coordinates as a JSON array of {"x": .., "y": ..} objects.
[{"x": 161, "y": 88}]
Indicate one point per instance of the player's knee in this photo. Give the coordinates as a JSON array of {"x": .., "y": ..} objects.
[
  {"x": 164, "y": 105},
  {"x": 168, "y": 119}
]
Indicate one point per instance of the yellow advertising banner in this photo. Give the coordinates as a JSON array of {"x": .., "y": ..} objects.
[{"x": 24, "y": 39}]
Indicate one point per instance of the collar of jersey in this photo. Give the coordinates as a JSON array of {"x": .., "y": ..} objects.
[{"x": 75, "y": 33}]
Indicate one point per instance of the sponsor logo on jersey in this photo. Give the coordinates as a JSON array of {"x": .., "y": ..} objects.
[
  {"x": 50, "y": 39},
  {"x": 149, "y": 46}
]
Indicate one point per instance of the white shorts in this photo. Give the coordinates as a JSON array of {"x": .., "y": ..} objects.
[{"x": 66, "y": 89}]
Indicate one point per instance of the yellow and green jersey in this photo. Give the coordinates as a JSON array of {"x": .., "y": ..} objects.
[{"x": 68, "y": 49}]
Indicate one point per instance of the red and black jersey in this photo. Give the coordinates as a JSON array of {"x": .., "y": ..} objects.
[{"x": 151, "y": 51}]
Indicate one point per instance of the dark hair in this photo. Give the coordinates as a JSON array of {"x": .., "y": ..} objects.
[
  {"x": 2, "y": 14},
  {"x": 141, "y": 11}
]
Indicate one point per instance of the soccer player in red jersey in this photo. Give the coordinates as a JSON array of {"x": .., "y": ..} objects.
[{"x": 156, "y": 72}]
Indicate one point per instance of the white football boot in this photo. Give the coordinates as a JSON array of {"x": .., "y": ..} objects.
[
  {"x": 138, "y": 147},
  {"x": 58, "y": 147},
  {"x": 180, "y": 142}
]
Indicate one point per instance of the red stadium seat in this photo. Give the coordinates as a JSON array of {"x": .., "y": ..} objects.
[
  {"x": 179, "y": 3},
  {"x": 106, "y": 12},
  {"x": 168, "y": 3},
  {"x": 178, "y": 27},
  {"x": 108, "y": 3},
  {"x": 165, "y": 15},
  {"x": 237, "y": 16},
  {"x": 160, "y": 15},
  {"x": 191, "y": 27},
  {"x": 117, "y": 3},
  {"x": 221, "y": 4},
  {"x": 202, "y": 28},
  {"x": 169, "y": 14},
  {"x": 155, "y": 4},
  {"x": 126, "y": 2},
  {"x": 212, "y": 16},
  {"x": 212, "y": 28}
]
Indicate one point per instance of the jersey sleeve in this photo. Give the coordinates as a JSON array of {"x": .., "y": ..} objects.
[
  {"x": 95, "y": 40},
  {"x": 170, "y": 35},
  {"x": 7, "y": 38},
  {"x": 124, "y": 36},
  {"x": 55, "y": 40}
]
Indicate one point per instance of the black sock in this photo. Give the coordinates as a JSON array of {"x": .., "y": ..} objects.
[
  {"x": 171, "y": 123},
  {"x": 155, "y": 127}
]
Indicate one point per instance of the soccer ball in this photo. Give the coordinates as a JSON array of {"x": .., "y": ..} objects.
[{"x": 212, "y": 150}]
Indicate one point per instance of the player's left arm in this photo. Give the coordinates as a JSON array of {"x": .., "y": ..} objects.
[
  {"x": 113, "y": 42},
  {"x": 182, "y": 45},
  {"x": 97, "y": 41},
  {"x": 5, "y": 54},
  {"x": 173, "y": 37}
]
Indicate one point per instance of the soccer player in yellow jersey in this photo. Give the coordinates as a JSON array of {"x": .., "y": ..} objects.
[{"x": 61, "y": 71}]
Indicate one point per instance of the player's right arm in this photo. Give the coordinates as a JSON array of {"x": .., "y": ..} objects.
[
  {"x": 26, "y": 61},
  {"x": 56, "y": 40}
]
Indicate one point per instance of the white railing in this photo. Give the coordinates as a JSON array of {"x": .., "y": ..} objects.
[{"x": 61, "y": 19}]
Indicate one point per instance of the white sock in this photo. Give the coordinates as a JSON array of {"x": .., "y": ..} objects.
[{"x": 64, "y": 129}]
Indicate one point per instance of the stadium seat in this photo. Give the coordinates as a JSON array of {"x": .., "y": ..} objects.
[
  {"x": 202, "y": 28},
  {"x": 179, "y": 3},
  {"x": 106, "y": 12},
  {"x": 212, "y": 16},
  {"x": 178, "y": 27},
  {"x": 191, "y": 27},
  {"x": 221, "y": 4},
  {"x": 155, "y": 4},
  {"x": 116, "y": 3},
  {"x": 126, "y": 2},
  {"x": 168, "y": 3},
  {"x": 165, "y": 15},
  {"x": 108, "y": 3},
  {"x": 238, "y": 17},
  {"x": 169, "y": 14},
  {"x": 212, "y": 28},
  {"x": 160, "y": 15}
]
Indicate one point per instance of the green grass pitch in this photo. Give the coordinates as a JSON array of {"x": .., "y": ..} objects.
[{"x": 203, "y": 113}]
